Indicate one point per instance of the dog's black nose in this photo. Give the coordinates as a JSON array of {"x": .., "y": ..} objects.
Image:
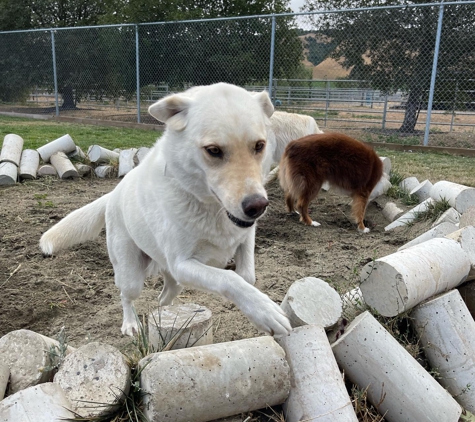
[{"x": 254, "y": 205}]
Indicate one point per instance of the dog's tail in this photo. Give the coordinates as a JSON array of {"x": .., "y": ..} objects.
[{"x": 83, "y": 224}]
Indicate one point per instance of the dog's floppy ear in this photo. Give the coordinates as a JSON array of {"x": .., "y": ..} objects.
[
  {"x": 266, "y": 103},
  {"x": 172, "y": 110}
]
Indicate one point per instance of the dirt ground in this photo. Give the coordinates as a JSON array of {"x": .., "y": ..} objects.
[{"x": 76, "y": 290}]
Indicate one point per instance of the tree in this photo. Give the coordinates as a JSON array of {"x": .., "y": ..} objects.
[{"x": 394, "y": 48}]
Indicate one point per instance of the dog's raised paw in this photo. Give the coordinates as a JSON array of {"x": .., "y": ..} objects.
[{"x": 129, "y": 329}]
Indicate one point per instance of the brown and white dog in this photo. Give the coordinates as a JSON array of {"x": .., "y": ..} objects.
[{"x": 348, "y": 165}]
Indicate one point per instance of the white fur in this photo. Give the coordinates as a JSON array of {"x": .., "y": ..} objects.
[
  {"x": 285, "y": 128},
  {"x": 169, "y": 213}
]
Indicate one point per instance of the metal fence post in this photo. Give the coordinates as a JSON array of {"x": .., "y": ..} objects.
[
  {"x": 55, "y": 73},
  {"x": 271, "y": 63},
  {"x": 434, "y": 73},
  {"x": 327, "y": 101},
  {"x": 385, "y": 112},
  {"x": 137, "y": 70}
]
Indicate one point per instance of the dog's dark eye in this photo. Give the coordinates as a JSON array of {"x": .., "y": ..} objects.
[
  {"x": 260, "y": 145},
  {"x": 214, "y": 151}
]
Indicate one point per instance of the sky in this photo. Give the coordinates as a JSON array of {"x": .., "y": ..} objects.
[{"x": 296, "y": 4}]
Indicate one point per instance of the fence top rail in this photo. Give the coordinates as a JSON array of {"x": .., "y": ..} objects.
[{"x": 268, "y": 16}]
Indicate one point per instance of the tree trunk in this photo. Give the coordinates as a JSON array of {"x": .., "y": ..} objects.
[
  {"x": 68, "y": 98},
  {"x": 412, "y": 110}
]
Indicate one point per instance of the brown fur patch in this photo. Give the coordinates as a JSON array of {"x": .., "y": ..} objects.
[{"x": 344, "y": 162}]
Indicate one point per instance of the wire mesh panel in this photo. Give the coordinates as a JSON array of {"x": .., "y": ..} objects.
[
  {"x": 96, "y": 72},
  {"x": 26, "y": 72}
]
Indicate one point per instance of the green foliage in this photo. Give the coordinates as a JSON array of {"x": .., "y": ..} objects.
[
  {"x": 396, "y": 192},
  {"x": 318, "y": 50},
  {"x": 434, "y": 210}
]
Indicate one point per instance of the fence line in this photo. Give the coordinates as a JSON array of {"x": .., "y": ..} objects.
[{"x": 115, "y": 69}]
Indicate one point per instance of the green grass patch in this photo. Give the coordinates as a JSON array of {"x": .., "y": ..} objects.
[
  {"x": 433, "y": 211},
  {"x": 36, "y": 133},
  {"x": 396, "y": 192}
]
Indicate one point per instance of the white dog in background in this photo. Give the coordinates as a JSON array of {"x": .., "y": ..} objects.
[
  {"x": 285, "y": 127},
  {"x": 189, "y": 207}
]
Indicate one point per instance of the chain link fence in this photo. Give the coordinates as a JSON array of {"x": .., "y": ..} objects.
[{"x": 402, "y": 68}]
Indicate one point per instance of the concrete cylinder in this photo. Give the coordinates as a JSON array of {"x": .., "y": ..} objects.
[
  {"x": 8, "y": 173},
  {"x": 317, "y": 391},
  {"x": 441, "y": 230},
  {"x": 141, "y": 153},
  {"x": 459, "y": 196},
  {"x": 189, "y": 322},
  {"x": 126, "y": 161},
  {"x": 411, "y": 215},
  {"x": 47, "y": 170},
  {"x": 83, "y": 169},
  {"x": 353, "y": 303},
  {"x": 64, "y": 144},
  {"x": 11, "y": 149},
  {"x": 396, "y": 384},
  {"x": 105, "y": 172},
  {"x": 63, "y": 166},
  {"x": 312, "y": 301},
  {"x": 468, "y": 217},
  {"x": 210, "y": 382},
  {"x": 392, "y": 212},
  {"x": 449, "y": 216},
  {"x": 381, "y": 188},
  {"x": 446, "y": 332},
  {"x": 466, "y": 238},
  {"x": 467, "y": 292},
  {"x": 4, "y": 377},
  {"x": 386, "y": 164},
  {"x": 422, "y": 190},
  {"x": 409, "y": 183},
  {"x": 30, "y": 357},
  {"x": 398, "y": 282},
  {"x": 99, "y": 155},
  {"x": 29, "y": 163}
]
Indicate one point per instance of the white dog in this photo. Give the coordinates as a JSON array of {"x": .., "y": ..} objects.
[
  {"x": 189, "y": 207},
  {"x": 285, "y": 127}
]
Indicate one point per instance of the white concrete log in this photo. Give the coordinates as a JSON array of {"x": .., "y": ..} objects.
[
  {"x": 11, "y": 149},
  {"x": 29, "y": 356},
  {"x": 396, "y": 384},
  {"x": 398, "y": 282},
  {"x": 459, "y": 196},
  {"x": 441, "y": 230},
  {"x": 4, "y": 378},
  {"x": 386, "y": 164},
  {"x": 392, "y": 212},
  {"x": 451, "y": 216},
  {"x": 409, "y": 183},
  {"x": 446, "y": 332},
  {"x": 468, "y": 218},
  {"x": 381, "y": 188},
  {"x": 141, "y": 153},
  {"x": 273, "y": 174},
  {"x": 29, "y": 163},
  {"x": 126, "y": 161},
  {"x": 192, "y": 324},
  {"x": 78, "y": 154},
  {"x": 42, "y": 403},
  {"x": 64, "y": 144},
  {"x": 47, "y": 170},
  {"x": 95, "y": 378},
  {"x": 99, "y": 155},
  {"x": 317, "y": 391},
  {"x": 353, "y": 303},
  {"x": 466, "y": 238},
  {"x": 209, "y": 382},
  {"x": 411, "y": 215},
  {"x": 312, "y": 301},
  {"x": 105, "y": 171},
  {"x": 63, "y": 166},
  {"x": 8, "y": 173},
  {"x": 83, "y": 169},
  {"x": 422, "y": 190}
]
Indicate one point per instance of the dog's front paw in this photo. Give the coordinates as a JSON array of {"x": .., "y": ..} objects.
[
  {"x": 315, "y": 224},
  {"x": 269, "y": 317}
]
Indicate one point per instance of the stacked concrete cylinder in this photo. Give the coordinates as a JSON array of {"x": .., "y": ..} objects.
[{"x": 10, "y": 156}]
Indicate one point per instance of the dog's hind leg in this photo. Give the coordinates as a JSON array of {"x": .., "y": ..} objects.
[
  {"x": 307, "y": 196},
  {"x": 129, "y": 265},
  {"x": 289, "y": 202},
  {"x": 358, "y": 207},
  {"x": 171, "y": 289}
]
